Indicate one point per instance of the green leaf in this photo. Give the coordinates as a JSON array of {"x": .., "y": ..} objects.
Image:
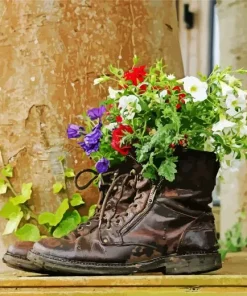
[
  {"x": 69, "y": 173},
  {"x": 68, "y": 224},
  {"x": 61, "y": 158},
  {"x": 54, "y": 219},
  {"x": 13, "y": 223},
  {"x": 47, "y": 218},
  {"x": 91, "y": 211},
  {"x": 57, "y": 187},
  {"x": 3, "y": 187},
  {"x": 84, "y": 219},
  {"x": 150, "y": 172},
  {"x": 76, "y": 200},
  {"x": 64, "y": 206},
  {"x": 26, "y": 190},
  {"x": 28, "y": 232},
  {"x": 168, "y": 170},
  {"x": 20, "y": 199},
  {"x": 7, "y": 171},
  {"x": 9, "y": 209}
]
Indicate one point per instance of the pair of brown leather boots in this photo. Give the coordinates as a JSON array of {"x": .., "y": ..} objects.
[{"x": 139, "y": 226}]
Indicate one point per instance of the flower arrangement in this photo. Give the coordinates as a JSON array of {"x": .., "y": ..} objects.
[{"x": 148, "y": 114}]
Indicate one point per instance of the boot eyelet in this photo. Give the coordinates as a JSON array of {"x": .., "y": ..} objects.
[
  {"x": 150, "y": 200},
  {"x": 108, "y": 228},
  {"x": 80, "y": 227},
  {"x": 88, "y": 223},
  {"x": 105, "y": 240},
  {"x": 126, "y": 214}
]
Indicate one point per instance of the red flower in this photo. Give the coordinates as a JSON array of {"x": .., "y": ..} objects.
[
  {"x": 117, "y": 136},
  {"x": 177, "y": 88},
  {"x": 143, "y": 88},
  {"x": 181, "y": 98},
  {"x": 135, "y": 75},
  {"x": 172, "y": 145},
  {"x": 119, "y": 119},
  {"x": 178, "y": 106}
]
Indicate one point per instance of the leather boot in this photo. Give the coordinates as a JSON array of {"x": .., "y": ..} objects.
[
  {"x": 168, "y": 227},
  {"x": 16, "y": 255}
]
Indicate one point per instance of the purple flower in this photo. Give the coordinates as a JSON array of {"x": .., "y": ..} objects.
[
  {"x": 89, "y": 148},
  {"x": 74, "y": 131},
  {"x": 102, "y": 165},
  {"x": 94, "y": 136},
  {"x": 96, "y": 113}
]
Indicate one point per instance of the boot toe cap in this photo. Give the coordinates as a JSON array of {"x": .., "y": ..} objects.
[
  {"x": 20, "y": 248},
  {"x": 56, "y": 247}
]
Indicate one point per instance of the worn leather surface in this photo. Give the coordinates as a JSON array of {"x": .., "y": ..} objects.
[
  {"x": 20, "y": 248},
  {"x": 164, "y": 219}
]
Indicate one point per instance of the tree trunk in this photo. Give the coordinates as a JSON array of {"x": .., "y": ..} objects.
[
  {"x": 233, "y": 52},
  {"x": 51, "y": 51}
]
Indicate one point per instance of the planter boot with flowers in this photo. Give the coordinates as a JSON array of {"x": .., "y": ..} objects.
[
  {"x": 16, "y": 255},
  {"x": 168, "y": 227}
]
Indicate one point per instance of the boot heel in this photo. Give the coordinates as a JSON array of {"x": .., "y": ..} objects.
[{"x": 192, "y": 264}]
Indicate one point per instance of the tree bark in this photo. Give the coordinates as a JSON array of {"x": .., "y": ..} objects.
[
  {"x": 233, "y": 52},
  {"x": 50, "y": 53}
]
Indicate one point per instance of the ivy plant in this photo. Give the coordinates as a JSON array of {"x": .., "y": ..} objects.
[{"x": 25, "y": 224}]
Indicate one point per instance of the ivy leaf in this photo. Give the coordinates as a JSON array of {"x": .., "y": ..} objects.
[
  {"x": 7, "y": 171},
  {"x": 54, "y": 219},
  {"x": 69, "y": 173},
  {"x": 3, "y": 187},
  {"x": 8, "y": 209},
  {"x": 61, "y": 158},
  {"x": 47, "y": 218},
  {"x": 76, "y": 200},
  {"x": 84, "y": 219},
  {"x": 68, "y": 224},
  {"x": 57, "y": 187},
  {"x": 91, "y": 211},
  {"x": 168, "y": 170},
  {"x": 13, "y": 223},
  {"x": 19, "y": 199},
  {"x": 64, "y": 206},
  {"x": 26, "y": 190},
  {"x": 28, "y": 232}
]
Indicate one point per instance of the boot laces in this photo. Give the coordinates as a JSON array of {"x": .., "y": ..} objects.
[
  {"x": 127, "y": 177},
  {"x": 103, "y": 186}
]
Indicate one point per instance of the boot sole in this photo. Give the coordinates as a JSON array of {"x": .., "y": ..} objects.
[
  {"x": 21, "y": 263},
  {"x": 184, "y": 264}
]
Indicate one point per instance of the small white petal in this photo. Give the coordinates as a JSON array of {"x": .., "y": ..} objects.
[
  {"x": 170, "y": 77},
  {"x": 163, "y": 93},
  {"x": 222, "y": 124},
  {"x": 113, "y": 93},
  {"x": 111, "y": 126}
]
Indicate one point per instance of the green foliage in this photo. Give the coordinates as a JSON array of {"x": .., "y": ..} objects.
[
  {"x": 234, "y": 240},
  {"x": 24, "y": 223},
  {"x": 76, "y": 200},
  {"x": 28, "y": 232},
  {"x": 69, "y": 222},
  {"x": 69, "y": 173},
  {"x": 53, "y": 219},
  {"x": 169, "y": 114},
  {"x": 91, "y": 211},
  {"x": 57, "y": 187}
]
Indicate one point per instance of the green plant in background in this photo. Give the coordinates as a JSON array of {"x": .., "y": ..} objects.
[
  {"x": 25, "y": 224},
  {"x": 234, "y": 240}
]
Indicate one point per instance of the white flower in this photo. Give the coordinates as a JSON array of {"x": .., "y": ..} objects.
[
  {"x": 111, "y": 126},
  {"x": 113, "y": 93},
  {"x": 230, "y": 163},
  {"x": 233, "y": 102},
  {"x": 170, "y": 77},
  {"x": 196, "y": 88},
  {"x": 128, "y": 105},
  {"x": 222, "y": 124},
  {"x": 98, "y": 80},
  {"x": 225, "y": 88},
  {"x": 208, "y": 145},
  {"x": 163, "y": 93}
]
